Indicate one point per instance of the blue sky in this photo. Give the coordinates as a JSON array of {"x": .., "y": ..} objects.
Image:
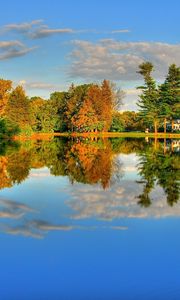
[{"x": 46, "y": 45}]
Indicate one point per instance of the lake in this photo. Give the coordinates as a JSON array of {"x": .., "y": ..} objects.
[{"x": 90, "y": 219}]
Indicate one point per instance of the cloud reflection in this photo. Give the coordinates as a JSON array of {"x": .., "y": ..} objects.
[
  {"x": 118, "y": 202},
  {"x": 31, "y": 228},
  {"x": 13, "y": 210}
]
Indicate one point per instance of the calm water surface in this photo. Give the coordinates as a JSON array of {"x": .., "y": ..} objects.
[{"x": 90, "y": 219}]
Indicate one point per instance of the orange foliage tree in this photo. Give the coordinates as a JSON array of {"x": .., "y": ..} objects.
[
  {"x": 5, "y": 87},
  {"x": 86, "y": 119},
  {"x": 5, "y": 180}
]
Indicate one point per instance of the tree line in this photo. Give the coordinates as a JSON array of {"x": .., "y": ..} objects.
[
  {"x": 83, "y": 108},
  {"x": 91, "y": 107}
]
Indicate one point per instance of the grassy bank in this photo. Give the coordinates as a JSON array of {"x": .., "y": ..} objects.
[{"x": 104, "y": 134}]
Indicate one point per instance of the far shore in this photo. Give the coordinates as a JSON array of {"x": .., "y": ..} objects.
[{"x": 100, "y": 134}]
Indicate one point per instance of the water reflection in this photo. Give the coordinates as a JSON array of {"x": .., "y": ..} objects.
[
  {"x": 95, "y": 161},
  {"x": 162, "y": 168},
  {"x": 109, "y": 179}
]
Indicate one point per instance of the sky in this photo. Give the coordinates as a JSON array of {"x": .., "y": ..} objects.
[{"x": 47, "y": 45}]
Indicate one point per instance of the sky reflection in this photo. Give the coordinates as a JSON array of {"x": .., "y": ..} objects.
[
  {"x": 85, "y": 192},
  {"x": 89, "y": 220}
]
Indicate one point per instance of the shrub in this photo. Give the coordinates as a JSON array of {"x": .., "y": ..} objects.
[{"x": 8, "y": 128}]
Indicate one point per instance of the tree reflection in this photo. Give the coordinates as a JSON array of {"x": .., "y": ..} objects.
[
  {"x": 90, "y": 162},
  {"x": 95, "y": 161},
  {"x": 161, "y": 167},
  {"x": 5, "y": 181},
  {"x": 82, "y": 160},
  {"x": 6, "y": 149}
]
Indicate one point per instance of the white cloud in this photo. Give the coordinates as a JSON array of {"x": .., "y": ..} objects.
[
  {"x": 12, "y": 209},
  {"x": 12, "y": 49},
  {"x": 14, "y": 205},
  {"x": 34, "y": 30},
  {"x": 11, "y": 215},
  {"x": 20, "y": 213},
  {"x": 22, "y": 27},
  {"x": 37, "y": 85},
  {"x": 46, "y": 226},
  {"x": 40, "y": 85},
  {"x": 24, "y": 232},
  {"x": 10, "y": 44},
  {"x": 44, "y": 31},
  {"x": 121, "y": 31},
  {"x": 118, "y": 227},
  {"x": 118, "y": 60},
  {"x": 39, "y": 175},
  {"x": 131, "y": 91}
]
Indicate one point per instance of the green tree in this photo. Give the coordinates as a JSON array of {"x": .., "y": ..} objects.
[
  {"x": 149, "y": 99},
  {"x": 36, "y": 107},
  {"x": 59, "y": 100},
  {"x": 117, "y": 124},
  {"x": 8, "y": 128},
  {"x": 169, "y": 93},
  {"x": 48, "y": 116},
  {"x": 18, "y": 108}
]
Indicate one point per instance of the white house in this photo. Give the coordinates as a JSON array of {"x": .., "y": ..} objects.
[{"x": 175, "y": 125}]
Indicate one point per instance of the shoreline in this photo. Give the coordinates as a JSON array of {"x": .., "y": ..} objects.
[{"x": 99, "y": 135}]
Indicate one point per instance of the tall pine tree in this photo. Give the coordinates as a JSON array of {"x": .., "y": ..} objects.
[
  {"x": 169, "y": 93},
  {"x": 149, "y": 99}
]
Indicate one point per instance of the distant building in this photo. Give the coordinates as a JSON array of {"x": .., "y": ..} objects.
[
  {"x": 174, "y": 125},
  {"x": 175, "y": 145}
]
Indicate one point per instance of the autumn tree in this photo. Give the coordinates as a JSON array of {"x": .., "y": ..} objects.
[
  {"x": 5, "y": 87},
  {"x": 75, "y": 98},
  {"x": 94, "y": 95},
  {"x": 85, "y": 120}
]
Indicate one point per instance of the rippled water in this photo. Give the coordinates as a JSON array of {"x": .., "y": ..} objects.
[{"x": 90, "y": 219}]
